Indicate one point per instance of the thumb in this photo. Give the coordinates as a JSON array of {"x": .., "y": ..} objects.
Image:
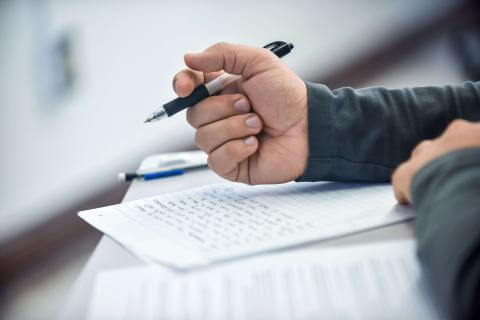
[{"x": 234, "y": 59}]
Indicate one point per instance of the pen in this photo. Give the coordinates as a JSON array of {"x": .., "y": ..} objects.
[
  {"x": 203, "y": 91},
  {"x": 149, "y": 176}
]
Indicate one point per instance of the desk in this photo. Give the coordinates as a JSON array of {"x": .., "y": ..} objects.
[{"x": 110, "y": 255}]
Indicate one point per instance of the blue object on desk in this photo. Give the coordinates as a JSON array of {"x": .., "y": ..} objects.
[
  {"x": 150, "y": 175},
  {"x": 166, "y": 165},
  {"x": 163, "y": 174}
]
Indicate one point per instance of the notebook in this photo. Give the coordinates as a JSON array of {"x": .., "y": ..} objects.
[{"x": 228, "y": 220}]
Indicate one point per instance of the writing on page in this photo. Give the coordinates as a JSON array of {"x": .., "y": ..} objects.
[{"x": 226, "y": 220}]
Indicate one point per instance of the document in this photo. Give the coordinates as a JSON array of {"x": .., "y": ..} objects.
[
  {"x": 173, "y": 160},
  {"x": 381, "y": 281},
  {"x": 229, "y": 220}
]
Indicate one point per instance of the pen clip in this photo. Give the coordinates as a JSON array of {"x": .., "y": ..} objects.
[
  {"x": 279, "y": 48},
  {"x": 274, "y": 45}
]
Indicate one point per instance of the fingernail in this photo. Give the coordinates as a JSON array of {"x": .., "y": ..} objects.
[
  {"x": 252, "y": 122},
  {"x": 250, "y": 141},
  {"x": 241, "y": 105}
]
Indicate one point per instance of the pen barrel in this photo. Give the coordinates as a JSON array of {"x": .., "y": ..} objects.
[
  {"x": 163, "y": 174},
  {"x": 282, "y": 50},
  {"x": 221, "y": 82},
  {"x": 179, "y": 104}
]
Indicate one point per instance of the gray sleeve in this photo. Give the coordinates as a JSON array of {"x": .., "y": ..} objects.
[
  {"x": 446, "y": 196},
  {"x": 362, "y": 135}
]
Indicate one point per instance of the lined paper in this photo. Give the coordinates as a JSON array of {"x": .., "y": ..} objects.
[
  {"x": 360, "y": 282},
  {"x": 228, "y": 220}
]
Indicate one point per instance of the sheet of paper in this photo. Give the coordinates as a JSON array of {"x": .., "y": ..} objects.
[
  {"x": 228, "y": 220},
  {"x": 360, "y": 282},
  {"x": 174, "y": 160}
]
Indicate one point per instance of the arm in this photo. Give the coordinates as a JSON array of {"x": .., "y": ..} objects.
[
  {"x": 446, "y": 196},
  {"x": 364, "y": 134},
  {"x": 442, "y": 181},
  {"x": 271, "y": 127}
]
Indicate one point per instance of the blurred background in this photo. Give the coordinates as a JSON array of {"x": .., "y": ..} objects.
[{"x": 77, "y": 79}]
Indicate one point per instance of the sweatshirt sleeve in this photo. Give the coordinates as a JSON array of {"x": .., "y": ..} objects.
[
  {"x": 363, "y": 134},
  {"x": 446, "y": 196}
]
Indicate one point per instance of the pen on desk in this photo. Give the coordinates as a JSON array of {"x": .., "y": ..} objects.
[
  {"x": 157, "y": 173},
  {"x": 125, "y": 176},
  {"x": 203, "y": 91}
]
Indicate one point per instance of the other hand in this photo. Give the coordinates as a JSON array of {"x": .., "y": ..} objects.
[{"x": 459, "y": 134}]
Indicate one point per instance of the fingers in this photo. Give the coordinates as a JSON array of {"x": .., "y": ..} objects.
[
  {"x": 216, "y": 108},
  {"x": 209, "y": 64},
  {"x": 402, "y": 179},
  {"x": 403, "y": 175},
  {"x": 186, "y": 80},
  {"x": 225, "y": 130},
  {"x": 400, "y": 184},
  {"x": 235, "y": 59},
  {"x": 225, "y": 161},
  {"x": 213, "y": 135},
  {"x": 457, "y": 124},
  {"x": 459, "y": 134}
]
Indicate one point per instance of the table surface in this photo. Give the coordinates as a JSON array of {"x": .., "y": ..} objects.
[{"x": 110, "y": 255}]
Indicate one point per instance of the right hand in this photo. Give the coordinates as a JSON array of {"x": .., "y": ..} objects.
[{"x": 256, "y": 130}]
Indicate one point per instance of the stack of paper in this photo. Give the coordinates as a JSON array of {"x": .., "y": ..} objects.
[{"x": 360, "y": 282}]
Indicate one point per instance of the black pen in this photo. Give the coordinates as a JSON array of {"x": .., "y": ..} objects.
[{"x": 203, "y": 91}]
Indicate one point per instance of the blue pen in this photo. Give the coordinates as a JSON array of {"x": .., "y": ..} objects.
[{"x": 150, "y": 176}]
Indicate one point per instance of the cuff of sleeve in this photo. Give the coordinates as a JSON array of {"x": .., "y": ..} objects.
[{"x": 320, "y": 133}]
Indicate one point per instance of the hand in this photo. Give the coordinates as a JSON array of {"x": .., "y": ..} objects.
[
  {"x": 255, "y": 131},
  {"x": 459, "y": 134}
]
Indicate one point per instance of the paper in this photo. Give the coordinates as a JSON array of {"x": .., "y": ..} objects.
[
  {"x": 361, "y": 282},
  {"x": 174, "y": 160},
  {"x": 228, "y": 220}
]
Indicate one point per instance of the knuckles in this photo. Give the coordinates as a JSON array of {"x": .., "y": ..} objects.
[
  {"x": 220, "y": 45},
  {"x": 461, "y": 132},
  {"x": 458, "y": 125}
]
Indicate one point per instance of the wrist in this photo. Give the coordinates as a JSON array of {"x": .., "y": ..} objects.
[{"x": 303, "y": 128}]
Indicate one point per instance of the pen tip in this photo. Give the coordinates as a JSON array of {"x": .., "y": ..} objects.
[
  {"x": 149, "y": 119},
  {"x": 157, "y": 115}
]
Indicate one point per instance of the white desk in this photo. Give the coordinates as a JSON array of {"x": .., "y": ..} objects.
[{"x": 109, "y": 255}]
